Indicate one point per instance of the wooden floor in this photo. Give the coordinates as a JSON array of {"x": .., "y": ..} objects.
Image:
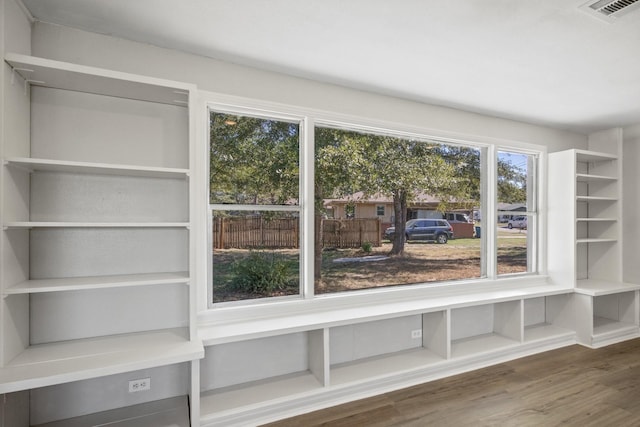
[{"x": 572, "y": 386}]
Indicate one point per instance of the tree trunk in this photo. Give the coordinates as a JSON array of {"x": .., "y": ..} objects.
[
  {"x": 318, "y": 248},
  {"x": 400, "y": 212}
]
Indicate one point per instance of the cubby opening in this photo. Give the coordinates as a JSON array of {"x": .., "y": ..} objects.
[
  {"x": 237, "y": 374},
  {"x": 485, "y": 328},
  {"x": 548, "y": 317},
  {"x": 105, "y": 401},
  {"x": 384, "y": 347},
  {"x": 615, "y": 312}
]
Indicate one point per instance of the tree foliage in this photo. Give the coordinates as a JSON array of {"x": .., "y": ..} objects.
[
  {"x": 252, "y": 160},
  {"x": 512, "y": 183},
  {"x": 403, "y": 169}
]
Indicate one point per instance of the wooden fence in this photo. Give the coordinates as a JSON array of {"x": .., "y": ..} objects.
[
  {"x": 255, "y": 232},
  {"x": 282, "y": 233},
  {"x": 351, "y": 233}
]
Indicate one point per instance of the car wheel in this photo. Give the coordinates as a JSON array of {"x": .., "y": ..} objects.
[
  {"x": 442, "y": 239},
  {"x": 510, "y": 226}
]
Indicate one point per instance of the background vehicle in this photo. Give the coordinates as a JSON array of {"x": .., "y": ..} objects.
[
  {"x": 518, "y": 222},
  {"x": 437, "y": 230}
]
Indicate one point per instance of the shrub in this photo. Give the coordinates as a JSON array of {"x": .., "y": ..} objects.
[
  {"x": 261, "y": 273},
  {"x": 367, "y": 247}
]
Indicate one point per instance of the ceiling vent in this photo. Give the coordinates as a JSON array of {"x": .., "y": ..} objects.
[{"x": 610, "y": 10}]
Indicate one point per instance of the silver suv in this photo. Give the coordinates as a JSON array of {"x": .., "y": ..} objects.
[{"x": 437, "y": 230}]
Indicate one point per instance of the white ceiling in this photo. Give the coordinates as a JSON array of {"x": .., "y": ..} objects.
[{"x": 542, "y": 61}]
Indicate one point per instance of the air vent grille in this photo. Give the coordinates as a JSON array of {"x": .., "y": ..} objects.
[
  {"x": 610, "y": 10},
  {"x": 612, "y": 7}
]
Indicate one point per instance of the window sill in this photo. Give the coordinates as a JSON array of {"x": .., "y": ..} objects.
[{"x": 229, "y": 324}]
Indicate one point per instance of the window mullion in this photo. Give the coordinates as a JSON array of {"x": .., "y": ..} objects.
[
  {"x": 307, "y": 203},
  {"x": 490, "y": 214}
]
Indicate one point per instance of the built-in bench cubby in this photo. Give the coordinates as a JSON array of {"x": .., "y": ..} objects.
[
  {"x": 607, "y": 314},
  {"x": 548, "y": 318},
  {"x": 370, "y": 350},
  {"x": 244, "y": 373},
  {"x": 485, "y": 328}
]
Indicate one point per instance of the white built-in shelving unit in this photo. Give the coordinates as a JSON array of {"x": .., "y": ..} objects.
[
  {"x": 97, "y": 254},
  {"x": 98, "y": 224},
  {"x": 585, "y": 239}
]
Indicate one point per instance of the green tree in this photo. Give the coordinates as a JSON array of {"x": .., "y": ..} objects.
[
  {"x": 348, "y": 161},
  {"x": 252, "y": 160},
  {"x": 512, "y": 183}
]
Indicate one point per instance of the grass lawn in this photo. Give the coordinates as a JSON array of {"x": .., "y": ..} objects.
[{"x": 421, "y": 262}]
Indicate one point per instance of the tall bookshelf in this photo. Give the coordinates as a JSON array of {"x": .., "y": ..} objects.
[
  {"x": 585, "y": 239},
  {"x": 96, "y": 224}
]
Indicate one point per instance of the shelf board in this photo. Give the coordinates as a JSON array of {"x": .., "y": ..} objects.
[
  {"x": 259, "y": 392},
  {"x": 63, "y": 75},
  {"x": 593, "y": 156},
  {"x": 596, "y": 219},
  {"x": 586, "y": 177},
  {"x": 390, "y": 364},
  {"x": 596, "y": 199},
  {"x": 545, "y": 331},
  {"x": 53, "y": 224},
  {"x": 596, "y": 240},
  {"x": 61, "y": 362},
  {"x": 480, "y": 344},
  {"x": 48, "y": 165},
  {"x": 96, "y": 282},
  {"x": 596, "y": 287}
]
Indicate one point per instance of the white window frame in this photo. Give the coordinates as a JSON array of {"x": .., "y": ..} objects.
[
  {"x": 267, "y": 115},
  {"x": 309, "y": 118},
  {"x": 533, "y": 252}
]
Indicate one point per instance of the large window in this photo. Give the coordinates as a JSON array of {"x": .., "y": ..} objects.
[
  {"x": 424, "y": 182},
  {"x": 303, "y": 211}
]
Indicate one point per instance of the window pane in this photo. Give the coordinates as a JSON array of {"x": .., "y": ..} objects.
[
  {"x": 516, "y": 212},
  {"x": 255, "y": 255},
  {"x": 513, "y": 245},
  {"x": 253, "y": 160},
  {"x": 368, "y": 185}
]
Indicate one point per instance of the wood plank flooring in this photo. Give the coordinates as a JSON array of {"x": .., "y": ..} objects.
[{"x": 572, "y": 386}]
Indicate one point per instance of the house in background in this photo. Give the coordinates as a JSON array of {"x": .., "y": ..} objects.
[{"x": 359, "y": 205}]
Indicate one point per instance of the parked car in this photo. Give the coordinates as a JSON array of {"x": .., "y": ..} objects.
[
  {"x": 518, "y": 222},
  {"x": 457, "y": 217},
  {"x": 437, "y": 230}
]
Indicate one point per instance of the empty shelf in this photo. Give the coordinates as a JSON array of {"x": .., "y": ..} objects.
[
  {"x": 96, "y": 282},
  {"x": 60, "y": 362}
]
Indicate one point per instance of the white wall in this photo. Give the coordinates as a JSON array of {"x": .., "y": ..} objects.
[
  {"x": 631, "y": 204},
  {"x": 65, "y": 44}
]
